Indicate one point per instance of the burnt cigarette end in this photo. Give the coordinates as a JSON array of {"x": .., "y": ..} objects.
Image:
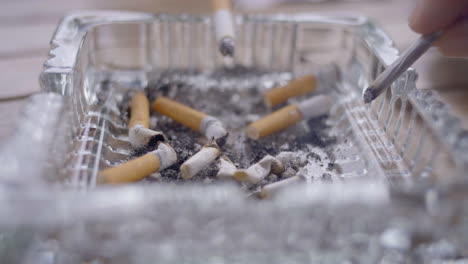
[
  {"x": 212, "y": 128},
  {"x": 144, "y": 137},
  {"x": 156, "y": 139},
  {"x": 227, "y": 46},
  {"x": 369, "y": 95}
]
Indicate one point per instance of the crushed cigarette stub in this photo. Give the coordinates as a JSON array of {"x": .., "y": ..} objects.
[
  {"x": 224, "y": 26},
  {"x": 209, "y": 126},
  {"x": 139, "y": 132},
  {"x": 226, "y": 168},
  {"x": 260, "y": 170},
  {"x": 203, "y": 158},
  {"x": 289, "y": 116},
  {"x": 272, "y": 188},
  {"x": 134, "y": 170}
]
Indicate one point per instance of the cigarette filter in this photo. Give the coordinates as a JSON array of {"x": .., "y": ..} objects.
[
  {"x": 209, "y": 126},
  {"x": 140, "y": 114},
  {"x": 302, "y": 86},
  {"x": 226, "y": 168},
  {"x": 260, "y": 170},
  {"x": 224, "y": 26},
  {"x": 326, "y": 77},
  {"x": 289, "y": 116},
  {"x": 139, "y": 132},
  {"x": 139, "y": 168},
  {"x": 200, "y": 160},
  {"x": 272, "y": 188}
]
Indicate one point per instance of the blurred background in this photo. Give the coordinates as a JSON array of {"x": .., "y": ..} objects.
[{"x": 26, "y": 27}]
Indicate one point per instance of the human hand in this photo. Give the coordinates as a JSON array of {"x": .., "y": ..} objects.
[{"x": 448, "y": 15}]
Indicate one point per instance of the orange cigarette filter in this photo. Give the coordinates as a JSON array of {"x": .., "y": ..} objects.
[
  {"x": 131, "y": 171},
  {"x": 140, "y": 114},
  {"x": 277, "y": 121},
  {"x": 301, "y": 86},
  {"x": 221, "y": 4},
  {"x": 180, "y": 113},
  {"x": 139, "y": 168}
]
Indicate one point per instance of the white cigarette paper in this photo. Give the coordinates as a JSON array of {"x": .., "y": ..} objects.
[
  {"x": 315, "y": 106},
  {"x": 141, "y": 136},
  {"x": 224, "y": 27},
  {"x": 200, "y": 160},
  {"x": 166, "y": 155},
  {"x": 212, "y": 128},
  {"x": 260, "y": 170},
  {"x": 226, "y": 168},
  {"x": 272, "y": 188}
]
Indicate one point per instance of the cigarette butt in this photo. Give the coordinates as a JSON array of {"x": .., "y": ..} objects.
[
  {"x": 141, "y": 136},
  {"x": 209, "y": 126},
  {"x": 272, "y": 188},
  {"x": 226, "y": 168},
  {"x": 139, "y": 110},
  {"x": 139, "y": 132},
  {"x": 139, "y": 168},
  {"x": 224, "y": 26},
  {"x": 200, "y": 160},
  {"x": 277, "y": 121},
  {"x": 315, "y": 106},
  {"x": 298, "y": 87},
  {"x": 289, "y": 115},
  {"x": 260, "y": 170},
  {"x": 212, "y": 128}
]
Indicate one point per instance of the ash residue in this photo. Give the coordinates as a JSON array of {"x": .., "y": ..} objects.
[{"x": 233, "y": 97}]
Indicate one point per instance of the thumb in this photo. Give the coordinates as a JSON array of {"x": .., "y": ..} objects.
[{"x": 434, "y": 15}]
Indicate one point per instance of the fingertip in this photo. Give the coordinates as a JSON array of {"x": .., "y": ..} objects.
[
  {"x": 433, "y": 15},
  {"x": 455, "y": 46}
]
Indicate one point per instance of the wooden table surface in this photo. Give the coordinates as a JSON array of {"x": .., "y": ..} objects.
[{"x": 26, "y": 27}]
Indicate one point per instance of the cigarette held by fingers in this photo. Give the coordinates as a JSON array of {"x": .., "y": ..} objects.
[
  {"x": 139, "y": 132},
  {"x": 289, "y": 116},
  {"x": 260, "y": 170},
  {"x": 209, "y": 126},
  {"x": 137, "y": 169},
  {"x": 202, "y": 159},
  {"x": 224, "y": 26}
]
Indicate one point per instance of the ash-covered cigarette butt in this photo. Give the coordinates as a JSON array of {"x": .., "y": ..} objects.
[
  {"x": 137, "y": 169},
  {"x": 301, "y": 86},
  {"x": 270, "y": 189},
  {"x": 226, "y": 168},
  {"x": 139, "y": 132},
  {"x": 260, "y": 170},
  {"x": 202, "y": 159},
  {"x": 209, "y": 126},
  {"x": 289, "y": 116},
  {"x": 224, "y": 26}
]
